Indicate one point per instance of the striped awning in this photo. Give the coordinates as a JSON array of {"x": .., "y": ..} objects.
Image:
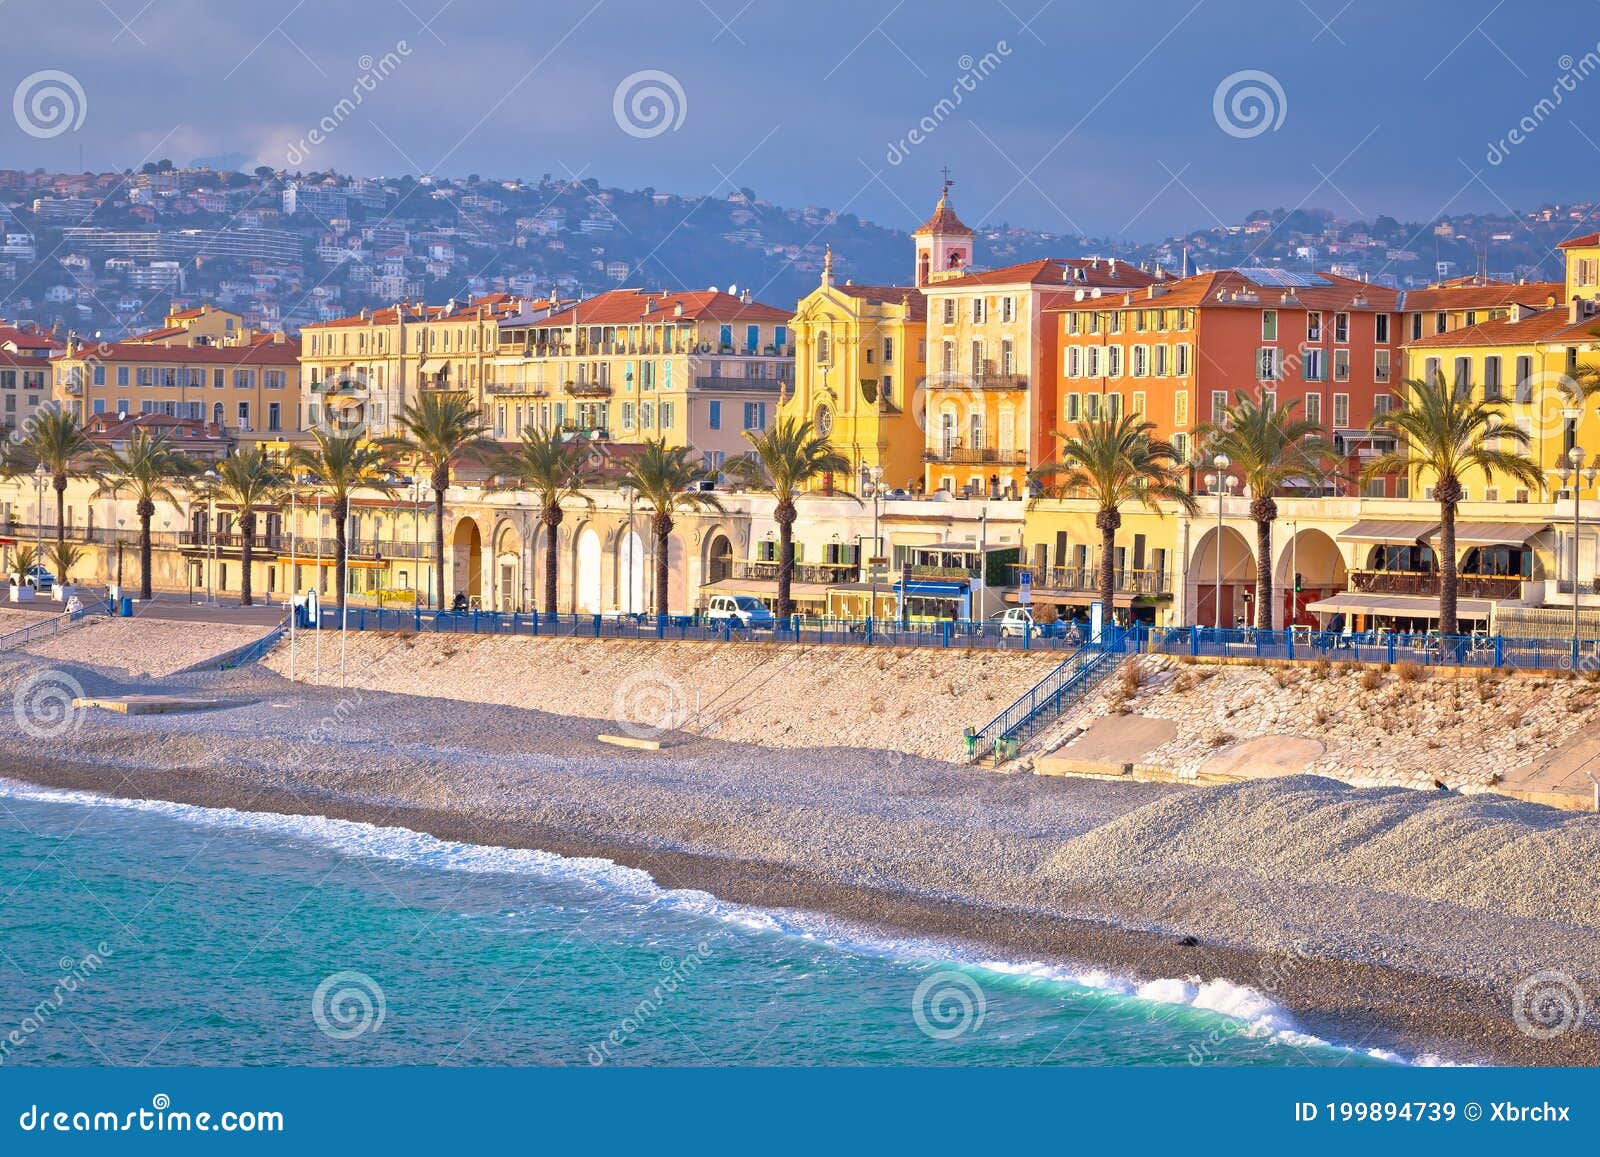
[
  {"x": 1492, "y": 533},
  {"x": 1388, "y": 530}
]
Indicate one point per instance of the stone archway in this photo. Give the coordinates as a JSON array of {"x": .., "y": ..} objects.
[
  {"x": 586, "y": 592},
  {"x": 633, "y": 572},
  {"x": 1316, "y": 557},
  {"x": 1238, "y": 576},
  {"x": 506, "y": 576},
  {"x": 719, "y": 558},
  {"x": 466, "y": 560}
]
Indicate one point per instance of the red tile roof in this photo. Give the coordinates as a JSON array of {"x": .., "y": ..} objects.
[
  {"x": 1085, "y": 272},
  {"x": 1548, "y": 325},
  {"x": 493, "y": 305},
  {"x": 944, "y": 220},
  {"x": 1479, "y": 293},
  {"x": 1587, "y": 241},
  {"x": 268, "y": 353},
  {"x": 1234, "y": 289},
  {"x": 629, "y": 307}
]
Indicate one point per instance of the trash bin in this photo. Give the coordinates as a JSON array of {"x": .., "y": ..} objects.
[{"x": 126, "y": 608}]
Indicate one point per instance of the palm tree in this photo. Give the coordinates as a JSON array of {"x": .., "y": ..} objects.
[
  {"x": 663, "y": 476},
  {"x": 65, "y": 557},
  {"x": 1446, "y": 434},
  {"x": 441, "y": 428},
  {"x": 58, "y": 442},
  {"x": 785, "y": 458},
  {"x": 555, "y": 469},
  {"x": 1270, "y": 448},
  {"x": 148, "y": 467},
  {"x": 245, "y": 480},
  {"x": 341, "y": 464},
  {"x": 1115, "y": 461}
]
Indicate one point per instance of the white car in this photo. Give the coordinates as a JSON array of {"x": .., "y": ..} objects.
[
  {"x": 741, "y": 610},
  {"x": 1015, "y": 622}
]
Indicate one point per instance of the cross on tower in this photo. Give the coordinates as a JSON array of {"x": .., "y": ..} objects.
[{"x": 947, "y": 181}]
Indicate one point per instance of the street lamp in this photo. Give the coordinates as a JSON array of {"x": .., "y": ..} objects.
[
  {"x": 877, "y": 546},
  {"x": 39, "y": 476},
  {"x": 1574, "y": 473},
  {"x": 416, "y": 534},
  {"x": 1221, "y": 481},
  {"x": 630, "y": 496},
  {"x": 210, "y": 478}
]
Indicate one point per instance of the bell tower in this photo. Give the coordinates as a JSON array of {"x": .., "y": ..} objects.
[{"x": 944, "y": 244}]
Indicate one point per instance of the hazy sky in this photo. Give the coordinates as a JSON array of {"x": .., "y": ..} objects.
[{"x": 1100, "y": 118}]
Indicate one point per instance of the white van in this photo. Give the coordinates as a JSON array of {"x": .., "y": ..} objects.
[{"x": 742, "y": 610}]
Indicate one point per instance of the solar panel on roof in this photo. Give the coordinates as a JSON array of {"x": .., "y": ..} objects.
[{"x": 1282, "y": 278}]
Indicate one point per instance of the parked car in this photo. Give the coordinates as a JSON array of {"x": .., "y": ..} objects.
[
  {"x": 39, "y": 578},
  {"x": 742, "y": 610},
  {"x": 897, "y": 493},
  {"x": 1018, "y": 621}
]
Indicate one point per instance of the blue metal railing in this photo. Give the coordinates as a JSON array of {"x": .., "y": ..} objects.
[
  {"x": 1044, "y": 702},
  {"x": 41, "y": 630},
  {"x": 1429, "y": 650}
]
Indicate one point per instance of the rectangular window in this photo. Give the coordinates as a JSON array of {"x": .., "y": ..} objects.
[
  {"x": 978, "y": 310},
  {"x": 1380, "y": 365},
  {"x": 1267, "y": 364},
  {"x": 1269, "y": 325},
  {"x": 1441, "y": 322},
  {"x": 1313, "y": 366},
  {"x": 1092, "y": 361},
  {"x": 1380, "y": 328},
  {"x": 949, "y": 356},
  {"x": 1114, "y": 361},
  {"x": 1072, "y": 324},
  {"x": 1341, "y": 365},
  {"x": 1007, "y": 309},
  {"x": 755, "y": 415},
  {"x": 99, "y": 375},
  {"x": 1341, "y": 411},
  {"x": 949, "y": 311},
  {"x": 1008, "y": 359},
  {"x": 714, "y": 415},
  {"x": 1341, "y": 328},
  {"x": 1181, "y": 366},
  {"x": 1180, "y": 408},
  {"x": 1074, "y": 409},
  {"x": 1137, "y": 403},
  {"x": 1091, "y": 407},
  {"x": 1491, "y": 378},
  {"x": 1161, "y": 356},
  {"x": 274, "y": 415},
  {"x": 1462, "y": 381},
  {"x": 1139, "y": 366},
  {"x": 1074, "y": 361},
  {"x": 244, "y": 415},
  {"x": 1219, "y": 406},
  {"x": 888, "y": 350},
  {"x": 1416, "y": 327},
  {"x": 1313, "y": 325},
  {"x": 752, "y": 339},
  {"x": 122, "y": 375},
  {"x": 1524, "y": 379},
  {"x": 1314, "y": 408},
  {"x": 666, "y": 415}
]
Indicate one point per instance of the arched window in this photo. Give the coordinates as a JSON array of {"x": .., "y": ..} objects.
[{"x": 822, "y": 346}]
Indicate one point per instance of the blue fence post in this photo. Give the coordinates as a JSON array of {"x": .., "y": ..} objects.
[
  {"x": 417, "y": 610},
  {"x": 1027, "y": 638},
  {"x": 945, "y": 631},
  {"x": 1194, "y": 640},
  {"x": 1499, "y": 650},
  {"x": 1389, "y": 648},
  {"x": 869, "y": 632}
]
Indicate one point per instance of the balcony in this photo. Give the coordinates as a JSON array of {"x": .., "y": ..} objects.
[
  {"x": 205, "y": 540},
  {"x": 587, "y": 389},
  {"x": 959, "y": 455},
  {"x": 1086, "y": 579},
  {"x": 804, "y": 572},
  {"x": 520, "y": 390},
  {"x": 1405, "y": 582},
  {"x": 714, "y": 382},
  {"x": 993, "y": 381}
]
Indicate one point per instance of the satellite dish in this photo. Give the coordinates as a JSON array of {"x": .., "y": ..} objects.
[
  {"x": 712, "y": 288},
  {"x": 732, "y": 289}
]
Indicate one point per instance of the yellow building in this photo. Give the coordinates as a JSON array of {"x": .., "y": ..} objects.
[
  {"x": 860, "y": 353},
  {"x": 366, "y": 368},
  {"x": 1062, "y": 553},
  {"x": 698, "y": 369},
  {"x": 204, "y": 325},
  {"x": 1527, "y": 353},
  {"x": 250, "y": 390}
]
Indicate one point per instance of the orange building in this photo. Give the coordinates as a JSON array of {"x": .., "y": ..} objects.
[{"x": 1178, "y": 352}]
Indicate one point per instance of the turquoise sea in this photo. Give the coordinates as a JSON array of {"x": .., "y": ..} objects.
[{"x": 161, "y": 934}]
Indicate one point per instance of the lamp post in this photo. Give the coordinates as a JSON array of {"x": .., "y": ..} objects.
[
  {"x": 1574, "y": 474},
  {"x": 416, "y": 532},
  {"x": 629, "y": 495},
  {"x": 1221, "y": 462},
  {"x": 877, "y": 547},
  {"x": 210, "y": 477},
  {"x": 39, "y": 475}
]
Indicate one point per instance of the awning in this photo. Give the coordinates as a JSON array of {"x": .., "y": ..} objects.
[
  {"x": 343, "y": 401},
  {"x": 1387, "y": 530},
  {"x": 932, "y": 589},
  {"x": 765, "y": 588},
  {"x": 328, "y": 562},
  {"x": 1492, "y": 533},
  {"x": 1404, "y": 606},
  {"x": 433, "y": 365},
  {"x": 1072, "y": 598}
]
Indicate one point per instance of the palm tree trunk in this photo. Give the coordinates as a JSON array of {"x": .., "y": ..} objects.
[
  {"x": 341, "y": 512},
  {"x": 441, "y": 483},
  {"x": 247, "y": 534},
  {"x": 60, "y": 484},
  {"x": 662, "y": 525},
  {"x": 1263, "y": 574},
  {"x": 146, "y": 511},
  {"x": 1447, "y": 492},
  {"x": 551, "y": 517},
  {"x": 785, "y": 515},
  {"x": 1108, "y": 521}
]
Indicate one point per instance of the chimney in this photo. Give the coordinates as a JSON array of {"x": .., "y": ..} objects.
[
  {"x": 1111, "y": 265},
  {"x": 1575, "y": 311}
]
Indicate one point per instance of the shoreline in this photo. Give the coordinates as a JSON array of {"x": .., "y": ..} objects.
[{"x": 1353, "y": 1005}]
